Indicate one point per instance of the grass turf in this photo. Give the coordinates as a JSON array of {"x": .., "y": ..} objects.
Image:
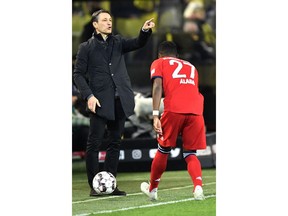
[{"x": 174, "y": 193}]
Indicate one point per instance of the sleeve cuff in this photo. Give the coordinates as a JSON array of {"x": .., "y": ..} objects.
[
  {"x": 145, "y": 30},
  {"x": 89, "y": 97}
]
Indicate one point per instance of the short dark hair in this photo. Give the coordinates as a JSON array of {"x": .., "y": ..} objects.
[
  {"x": 167, "y": 48},
  {"x": 95, "y": 15}
]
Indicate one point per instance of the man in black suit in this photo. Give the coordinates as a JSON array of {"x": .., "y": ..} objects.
[{"x": 102, "y": 79}]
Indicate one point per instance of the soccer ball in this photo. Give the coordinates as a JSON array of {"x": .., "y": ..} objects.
[{"x": 104, "y": 182}]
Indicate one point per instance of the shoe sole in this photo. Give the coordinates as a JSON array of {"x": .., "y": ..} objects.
[
  {"x": 96, "y": 195},
  {"x": 199, "y": 198}
]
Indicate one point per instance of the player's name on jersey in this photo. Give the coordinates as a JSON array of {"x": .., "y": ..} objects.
[{"x": 187, "y": 81}]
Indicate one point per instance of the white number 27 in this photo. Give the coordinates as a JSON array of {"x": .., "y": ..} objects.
[{"x": 176, "y": 73}]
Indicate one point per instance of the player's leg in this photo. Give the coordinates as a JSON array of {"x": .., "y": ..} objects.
[
  {"x": 194, "y": 138},
  {"x": 158, "y": 167},
  {"x": 195, "y": 172},
  {"x": 171, "y": 125}
]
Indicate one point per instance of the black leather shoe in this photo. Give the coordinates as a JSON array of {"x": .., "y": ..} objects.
[
  {"x": 94, "y": 193},
  {"x": 117, "y": 192}
]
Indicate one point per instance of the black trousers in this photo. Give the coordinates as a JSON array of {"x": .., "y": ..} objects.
[{"x": 96, "y": 135}]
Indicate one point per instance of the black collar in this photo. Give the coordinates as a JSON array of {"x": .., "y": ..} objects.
[{"x": 99, "y": 36}]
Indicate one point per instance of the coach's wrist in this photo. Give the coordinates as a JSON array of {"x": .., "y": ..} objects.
[
  {"x": 145, "y": 30},
  {"x": 91, "y": 95}
]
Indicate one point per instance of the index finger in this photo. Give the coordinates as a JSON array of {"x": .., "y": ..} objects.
[{"x": 150, "y": 20}]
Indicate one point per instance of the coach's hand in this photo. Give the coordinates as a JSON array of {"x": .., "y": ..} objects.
[
  {"x": 92, "y": 103},
  {"x": 148, "y": 25}
]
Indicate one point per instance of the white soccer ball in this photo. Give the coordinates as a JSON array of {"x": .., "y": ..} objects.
[{"x": 104, "y": 182}]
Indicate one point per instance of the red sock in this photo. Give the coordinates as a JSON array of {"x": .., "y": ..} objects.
[
  {"x": 194, "y": 169},
  {"x": 158, "y": 167}
]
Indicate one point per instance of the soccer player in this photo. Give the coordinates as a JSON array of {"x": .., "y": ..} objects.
[{"x": 177, "y": 80}]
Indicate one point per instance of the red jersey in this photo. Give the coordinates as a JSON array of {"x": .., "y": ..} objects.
[{"x": 180, "y": 85}]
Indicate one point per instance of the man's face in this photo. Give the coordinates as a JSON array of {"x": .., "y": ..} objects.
[{"x": 104, "y": 24}]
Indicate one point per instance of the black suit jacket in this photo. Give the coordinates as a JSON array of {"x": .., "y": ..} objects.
[{"x": 100, "y": 68}]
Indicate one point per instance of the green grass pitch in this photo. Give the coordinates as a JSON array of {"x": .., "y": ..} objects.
[{"x": 174, "y": 193}]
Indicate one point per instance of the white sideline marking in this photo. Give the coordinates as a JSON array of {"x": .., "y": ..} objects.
[
  {"x": 143, "y": 206},
  {"x": 134, "y": 194}
]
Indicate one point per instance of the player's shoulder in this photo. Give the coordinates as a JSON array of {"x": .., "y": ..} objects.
[{"x": 155, "y": 62}]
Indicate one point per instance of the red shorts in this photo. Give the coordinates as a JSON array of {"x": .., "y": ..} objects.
[{"x": 190, "y": 127}]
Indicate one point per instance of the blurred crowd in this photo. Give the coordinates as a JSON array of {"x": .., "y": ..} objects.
[{"x": 191, "y": 24}]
